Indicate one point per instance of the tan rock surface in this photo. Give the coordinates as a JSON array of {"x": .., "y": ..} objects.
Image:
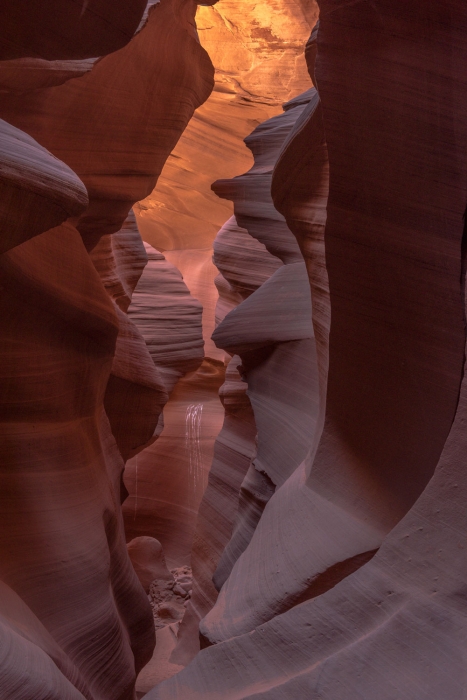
[{"x": 258, "y": 54}]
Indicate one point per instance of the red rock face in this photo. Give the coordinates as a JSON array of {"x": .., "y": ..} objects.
[
  {"x": 78, "y": 30},
  {"x": 328, "y": 556},
  {"x": 40, "y": 187},
  {"x": 61, "y": 488},
  {"x": 369, "y": 526},
  {"x": 74, "y": 120},
  {"x": 80, "y": 390}
]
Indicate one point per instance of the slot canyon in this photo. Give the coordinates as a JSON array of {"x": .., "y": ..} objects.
[{"x": 233, "y": 339}]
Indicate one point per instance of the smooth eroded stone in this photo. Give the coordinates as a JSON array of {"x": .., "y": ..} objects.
[
  {"x": 64, "y": 29},
  {"x": 148, "y": 561},
  {"x": 38, "y": 191}
]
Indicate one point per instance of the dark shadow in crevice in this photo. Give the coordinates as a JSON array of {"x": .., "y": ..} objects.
[{"x": 321, "y": 584}]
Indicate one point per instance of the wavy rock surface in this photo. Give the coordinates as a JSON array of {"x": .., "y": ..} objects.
[
  {"x": 182, "y": 216},
  {"x": 242, "y": 260},
  {"x": 161, "y": 499},
  {"x": 74, "y": 122},
  {"x": 183, "y": 212},
  {"x": 258, "y": 54},
  {"x": 41, "y": 188},
  {"x": 75, "y": 620},
  {"x": 272, "y": 332},
  {"x": 395, "y": 354},
  {"x": 78, "y": 31},
  {"x": 135, "y": 381},
  {"x": 354, "y": 491},
  {"x": 26, "y": 74},
  {"x": 233, "y": 450},
  {"x": 235, "y": 445},
  {"x": 169, "y": 319},
  {"x": 62, "y": 467},
  {"x": 251, "y": 192}
]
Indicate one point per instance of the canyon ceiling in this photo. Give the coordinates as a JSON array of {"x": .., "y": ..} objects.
[{"x": 233, "y": 403}]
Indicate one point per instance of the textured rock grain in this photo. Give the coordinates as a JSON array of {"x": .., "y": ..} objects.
[
  {"x": 153, "y": 84},
  {"x": 39, "y": 188},
  {"x": 258, "y": 54},
  {"x": 271, "y": 326},
  {"x": 387, "y": 470},
  {"x": 168, "y": 318},
  {"x": 79, "y": 386},
  {"x": 62, "y": 470}
]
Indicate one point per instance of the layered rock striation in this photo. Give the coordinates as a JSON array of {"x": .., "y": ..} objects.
[
  {"x": 80, "y": 390},
  {"x": 161, "y": 498},
  {"x": 328, "y": 555},
  {"x": 270, "y": 336},
  {"x": 363, "y": 604},
  {"x": 258, "y": 54}
]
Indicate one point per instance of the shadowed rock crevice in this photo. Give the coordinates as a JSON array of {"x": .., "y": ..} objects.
[{"x": 334, "y": 575}]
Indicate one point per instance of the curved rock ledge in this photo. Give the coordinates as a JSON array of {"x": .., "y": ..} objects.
[{"x": 39, "y": 188}]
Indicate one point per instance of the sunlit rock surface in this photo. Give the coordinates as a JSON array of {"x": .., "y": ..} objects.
[
  {"x": 258, "y": 54},
  {"x": 131, "y": 108},
  {"x": 259, "y": 65}
]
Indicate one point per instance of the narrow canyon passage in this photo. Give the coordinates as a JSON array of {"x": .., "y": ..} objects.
[
  {"x": 233, "y": 341},
  {"x": 182, "y": 218}
]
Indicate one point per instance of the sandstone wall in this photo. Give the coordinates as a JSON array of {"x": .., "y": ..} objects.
[
  {"x": 271, "y": 394},
  {"x": 82, "y": 140},
  {"x": 351, "y": 584},
  {"x": 258, "y": 54}
]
